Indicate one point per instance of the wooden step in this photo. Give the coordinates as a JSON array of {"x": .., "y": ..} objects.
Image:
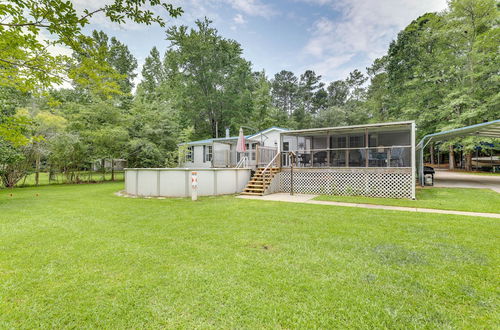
[
  {"x": 254, "y": 189},
  {"x": 259, "y": 181}
]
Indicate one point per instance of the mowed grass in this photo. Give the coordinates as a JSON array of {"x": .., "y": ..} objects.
[
  {"x": 61, "y": 178},
  {"x": 479, "y": 173},
  {"x": 459, "y": 199},
  {"x": 77, "y": 256}
]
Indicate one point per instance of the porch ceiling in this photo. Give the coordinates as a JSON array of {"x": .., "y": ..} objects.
[{"x": 394, "y": 126}]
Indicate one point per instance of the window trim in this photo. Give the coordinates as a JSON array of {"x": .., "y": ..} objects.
[{"x": 190, "y": 154}]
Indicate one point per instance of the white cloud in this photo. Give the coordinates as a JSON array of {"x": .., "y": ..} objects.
[
  {"x": 252, "y": 7},
  {"x": 239, "y": 19},
  {"x": 364, "y": 29}
]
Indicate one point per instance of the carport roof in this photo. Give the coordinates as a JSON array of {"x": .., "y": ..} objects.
[{"x": 489, "y": 129}]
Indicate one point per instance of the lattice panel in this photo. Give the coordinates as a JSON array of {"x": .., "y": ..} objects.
[{"x": 393, "y": 183}]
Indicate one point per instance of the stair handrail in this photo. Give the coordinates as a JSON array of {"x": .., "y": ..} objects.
[
  {"x": 241, "y": 162},
  {"x": 270, "y": 163}
]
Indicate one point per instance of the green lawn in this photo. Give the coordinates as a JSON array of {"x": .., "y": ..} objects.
[
  {"x": 460, "y": 199},
  {"x": 485, "y": 173},
  {"x": 77, "y": 256},
  {"x": 60, "y": 178}
]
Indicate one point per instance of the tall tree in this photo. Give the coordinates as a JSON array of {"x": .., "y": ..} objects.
[
  {"x": 263, "y": 111},
  {"x": 285, "y": 92},
  {"x": 28, "y": 27},
  {"x": 152, "y": 72},
  {"x": 210, "y": 77},
  {"x": 115, "y": 67},
  {"x": 309, "y": 85}
]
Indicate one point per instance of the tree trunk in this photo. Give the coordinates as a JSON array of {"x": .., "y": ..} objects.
[
  {"x": 103, "y": 168},
  {"x": 432, "y": 153},
  {"x": 112, "y": 169},
  {"x": 37, "y": 171},
  {"x": 451, "y": 162},
  {"x": 468, "y": 161},
  {"x": 51, "y": 174}
]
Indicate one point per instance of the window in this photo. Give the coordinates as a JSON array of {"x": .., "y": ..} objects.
[
  {"x": 339, "y": 142},
  {"x": 356, "y": 141},
  {"x": 207, "y": 153},
  {"x": 190, "y": 154}
]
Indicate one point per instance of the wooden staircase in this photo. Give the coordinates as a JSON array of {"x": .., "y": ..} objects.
[{"x": 260, "y": 181}]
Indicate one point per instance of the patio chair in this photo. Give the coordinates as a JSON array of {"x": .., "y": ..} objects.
[
  {"x": 337, "y": 158},
  {"x": 396, "y": 157},
  {"x": 320, "y": 157},
  {"x": 305, "y": 159}
]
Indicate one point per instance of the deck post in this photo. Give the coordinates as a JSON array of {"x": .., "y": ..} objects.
[
  {"x": 311, "y": 151},
  {"x": 280, "y": 146},
  {"x": 297, "y": 145},
  {"x": 328, "y": 146},
  {"x": 213, "y": 155},
  {"x": 366, "y": 147},
  {"x": 257, "y": 158},
  {"x": 413, "y": 161}
]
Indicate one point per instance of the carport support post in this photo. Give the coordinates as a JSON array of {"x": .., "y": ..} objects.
[{"x": 291, "y": 175}]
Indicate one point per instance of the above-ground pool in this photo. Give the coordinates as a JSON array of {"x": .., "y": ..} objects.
[{"x": 176, "y": 182}]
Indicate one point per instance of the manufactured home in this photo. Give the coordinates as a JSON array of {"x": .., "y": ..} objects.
[
  {"x": 371, "y": 160},
  {"x": 376, "y": 160},
  {"x": 221, "y": 152}
]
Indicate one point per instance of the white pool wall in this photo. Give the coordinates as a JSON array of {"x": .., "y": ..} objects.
[{"x": 176, "y": 182}]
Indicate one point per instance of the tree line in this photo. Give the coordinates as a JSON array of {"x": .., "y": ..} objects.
[{"x": 442, "y": 71}]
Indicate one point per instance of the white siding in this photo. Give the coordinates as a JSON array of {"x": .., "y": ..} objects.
[
  {"x": 269, "y": 139},
  {"x": 197, "y": 159}
]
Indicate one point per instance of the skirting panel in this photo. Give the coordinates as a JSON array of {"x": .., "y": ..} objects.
[
  {"x": 376, "y": 182},
  {"x": 275, "y": 185}
]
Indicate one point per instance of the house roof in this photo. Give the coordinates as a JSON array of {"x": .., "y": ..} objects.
[
  {"x": 208, "y": 141},
  {"x": 274, "y": 128},
  {"x": 232, "y": 138}
]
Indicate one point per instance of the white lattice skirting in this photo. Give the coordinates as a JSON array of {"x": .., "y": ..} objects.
[{"x": 371, "y": 182}]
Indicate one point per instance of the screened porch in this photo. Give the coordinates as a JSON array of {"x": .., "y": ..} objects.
[{"x": 386, "y": 145}]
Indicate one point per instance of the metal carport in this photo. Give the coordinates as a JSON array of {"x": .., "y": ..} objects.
[{"x": 489, "y": 129}]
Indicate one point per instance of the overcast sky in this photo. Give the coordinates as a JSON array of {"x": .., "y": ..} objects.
[{"x": 332, "y": 37}]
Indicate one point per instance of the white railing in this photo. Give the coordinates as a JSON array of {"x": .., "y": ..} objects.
[
  {"x": 265, "y": 155},
  {"x": 243, "y": 162},
  {"x": 270, "y": 164},
  {"x": 231, "y": 158},
  {"x": 383, "y": 156}
]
